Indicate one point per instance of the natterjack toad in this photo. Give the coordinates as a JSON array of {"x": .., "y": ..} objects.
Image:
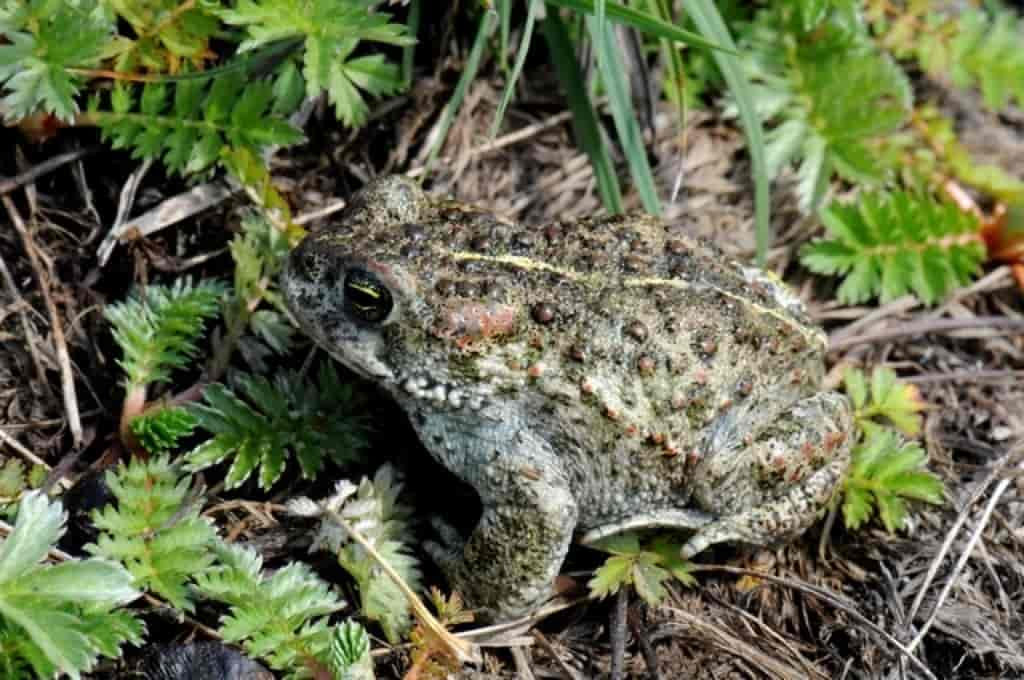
[{"x": 585, "y": 377}]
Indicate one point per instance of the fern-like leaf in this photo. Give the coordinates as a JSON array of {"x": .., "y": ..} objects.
[
  {"x": 349, "y": 654},
  {"x": 373, "y": 507},
  {"x": 164, "y": 34},
  {"x": 884, "y": 474},
  {"x": 826, "y": 123},
  {"x": 190, "y": 124},
  {"x": 887, "y": 245},
  {"x": 45, "y": 39},
  {"x": 974, "y": 47},
  {"x": 157, "y": 328},
  {"x": 281, "y": 618},
  {"x": 884, "y": 398},
  {"x": 64, "y": 615},
  {"x": 332, "y": 30},
  {"x": 160, "y": 430},
  {"x": 263, "y": 423},
  {"x": 155, "y": 530}
]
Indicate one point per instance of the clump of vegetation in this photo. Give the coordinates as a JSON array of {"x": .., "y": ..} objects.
[
  {"x": 374, "y": 508},
  {"x": 643, "y": 566},
  {"x": 888, "y": 245},
  {"x": 289, "y": 416},
  {"x": 280, "y": 617},
  {"x": 154, "y": 529},
  {"x": 58, "y": 618},
  {"x": 886, "y": 470}
]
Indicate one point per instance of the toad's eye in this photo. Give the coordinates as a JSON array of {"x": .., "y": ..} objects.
[{"x": 366, "y": 298}]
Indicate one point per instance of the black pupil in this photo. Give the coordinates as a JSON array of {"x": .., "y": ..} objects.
[{"x": 366, "y": 297}]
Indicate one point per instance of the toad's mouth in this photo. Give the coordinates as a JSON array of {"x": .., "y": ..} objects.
[{"x": 363, "y": 363}]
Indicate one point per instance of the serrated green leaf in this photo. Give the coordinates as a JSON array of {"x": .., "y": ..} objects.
[
  {"x": 60, "y": 614},
  {"x": 856, "y": 386},
  {"x": 39, "y": 525},
  {"x": 857, "y": 507},
  {"x": 890, "y": 244},
  {"x": 616, "y": 572},
  {"x": 648, "y": 579}
]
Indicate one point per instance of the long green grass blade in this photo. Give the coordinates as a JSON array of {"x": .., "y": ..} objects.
[
  {"x": 524, "y": 47},
  {"x": 673, "y": 59},
  {"x": 609, "y": 63},
  {"x": 487, "y": 22},
  {"x": 584, "y": 118},
  {"x": 505, "y": 15},
  {"x": 646, "y": 23},
  {"x": 709, "y": 22},
  {"x": 409, "y": 51}
]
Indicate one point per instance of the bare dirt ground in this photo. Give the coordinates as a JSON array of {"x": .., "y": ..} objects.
[{"x": 942, "y": 599}]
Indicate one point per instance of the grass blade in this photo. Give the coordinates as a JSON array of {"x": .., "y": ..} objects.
[
  {"x": 584, "y": 118},
  {"x": 524, "y": 47},
  {"x": 646, "y": 23},
  {"x": 487, "y": 21},
  {"x": 505, "y": 14},
  {"x": 705, "y": 15},
  {"x": 609, "y": 63},
  {"x": 409, "y": 51}
]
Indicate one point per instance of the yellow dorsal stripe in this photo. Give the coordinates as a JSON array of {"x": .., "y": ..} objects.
[{"x": 528, "y": 264}]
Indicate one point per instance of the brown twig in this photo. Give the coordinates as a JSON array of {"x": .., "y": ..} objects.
[
  {"x": 915, "y": 328},
  {"x": 9, "y": 184},
  {"x": 21, "y": 450},
  {"x": 59, "y": 341},
  {"x": 993, "y": 375},
  {"x": 26, "y": 328},
  {"x": 617, "y": 633}
]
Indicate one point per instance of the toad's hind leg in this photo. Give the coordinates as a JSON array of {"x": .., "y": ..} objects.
[{"x": 769, "y": 482}]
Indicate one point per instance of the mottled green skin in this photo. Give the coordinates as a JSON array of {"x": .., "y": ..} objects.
[{"x": 585, "y": 377}]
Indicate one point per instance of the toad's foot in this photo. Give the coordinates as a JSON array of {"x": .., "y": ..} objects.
[{"x": 793, "y": 467}]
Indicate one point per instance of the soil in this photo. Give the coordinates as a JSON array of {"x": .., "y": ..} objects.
[{"x": 838, "y": 605}]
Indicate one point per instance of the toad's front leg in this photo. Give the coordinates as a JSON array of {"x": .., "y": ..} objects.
[{"x": 509, "y": 563}]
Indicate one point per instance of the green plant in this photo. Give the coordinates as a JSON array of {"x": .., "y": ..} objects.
[
  {"x": 47, "y": 41},
  {"x": 831, "y": 93},
  {"x": 883, "y": 400},
  {"x": 261, "y": 423},
  {"x": 155, "y": 529},
  {"x": 972, "y": 47},
  {"x": 643, "y": 566},
  {"x": 348, "y": 657},
  {"x": 160, "y": 430},
  {"x": 14, "y": 478},
  {"x": 191, "y": 123},
  {"x": 374, "y": 508},
  {"x": 280, "y": 617},
  {"x": 884, "y": 474},
  {"x": 886, "y": 471},
  {"x": 157, "y": 329},
  {"x": 256, "y": 329},
  {"x": 270, "y": 53},
  {"x": 887, "y": 245},
  {"x": 58, "y": 618}
]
